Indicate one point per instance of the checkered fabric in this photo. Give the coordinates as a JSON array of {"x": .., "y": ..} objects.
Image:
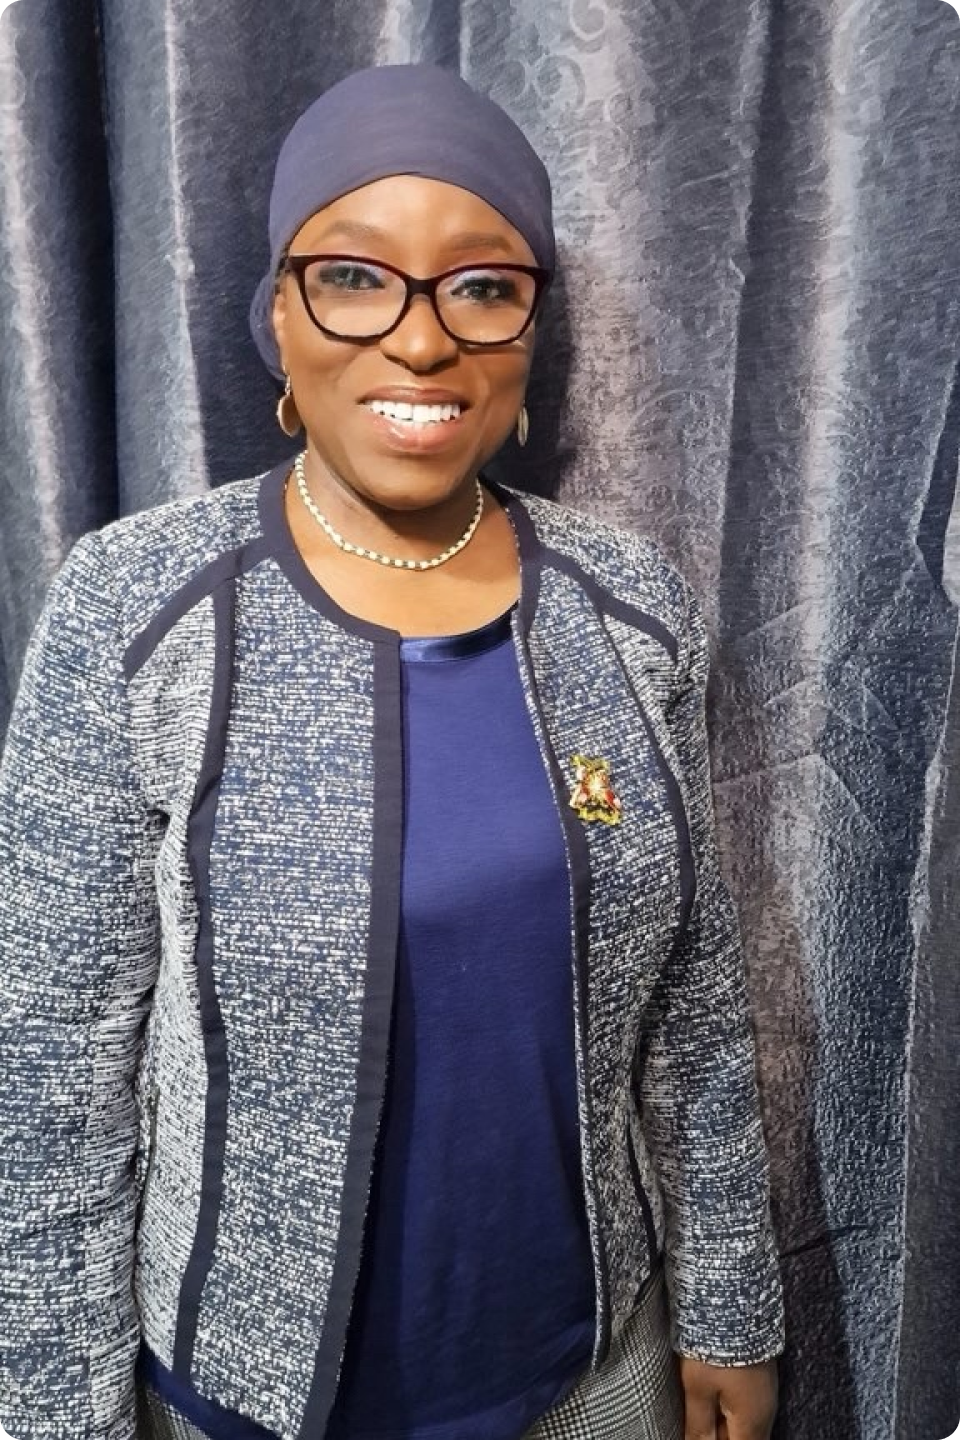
[
  {"x": 636, "y": 1395},
  {"x": 156, "y": 1420}
]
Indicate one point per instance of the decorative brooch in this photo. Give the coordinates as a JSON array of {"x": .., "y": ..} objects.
[{"x": 593, "y": 796}]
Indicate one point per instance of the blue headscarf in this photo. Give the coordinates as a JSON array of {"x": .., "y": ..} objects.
[{"x": 401, "y": 120}]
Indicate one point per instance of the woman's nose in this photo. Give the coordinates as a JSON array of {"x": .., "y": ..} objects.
[{"x": 420, "y": 341}]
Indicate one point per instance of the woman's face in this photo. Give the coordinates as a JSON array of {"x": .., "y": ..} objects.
[{"x": 422, "y": 227}]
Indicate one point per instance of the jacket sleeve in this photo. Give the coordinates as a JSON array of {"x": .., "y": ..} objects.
[
  {"x": 78, "y": 951},
  {"x": 699, "y": 1104}
]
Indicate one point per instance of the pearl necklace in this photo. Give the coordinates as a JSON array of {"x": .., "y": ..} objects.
[{"x": 362, "y": 552}]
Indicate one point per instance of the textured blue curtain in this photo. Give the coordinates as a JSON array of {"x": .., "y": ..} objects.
[{"x": 753, "y": 354}]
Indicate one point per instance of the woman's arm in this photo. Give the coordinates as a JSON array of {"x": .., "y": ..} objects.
[
  {"x": 78, "y": 954},
  {"x": 697, "y": 1088}
]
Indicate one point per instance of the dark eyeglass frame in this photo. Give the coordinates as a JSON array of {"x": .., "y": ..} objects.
[{"x": 296, "y": 265}]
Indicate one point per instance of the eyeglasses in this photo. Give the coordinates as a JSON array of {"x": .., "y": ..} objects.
[{"x": 349, "y": 297}]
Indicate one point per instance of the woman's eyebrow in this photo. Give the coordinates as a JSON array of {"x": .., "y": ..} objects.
[
  {"x": 479, "y": 240},
  {"x": 363, "y": 234}
]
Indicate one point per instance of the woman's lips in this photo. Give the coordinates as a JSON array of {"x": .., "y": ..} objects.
[{"x": 409, "y": 435}]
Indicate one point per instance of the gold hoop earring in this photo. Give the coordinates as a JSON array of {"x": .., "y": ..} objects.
[
  {"x": 288, "y": 417},
  {"x": 523, "y": 426}
]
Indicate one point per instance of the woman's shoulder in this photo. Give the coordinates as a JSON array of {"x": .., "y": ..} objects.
[
  {"x": 159, "y": 548},
  {"x": 139, "y": 563},
  {"x": 189, "y": 526},
  {"x": 628, "y": 567}
]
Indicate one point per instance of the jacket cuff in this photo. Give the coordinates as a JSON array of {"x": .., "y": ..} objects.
[{"x": 730, "y": 1313}]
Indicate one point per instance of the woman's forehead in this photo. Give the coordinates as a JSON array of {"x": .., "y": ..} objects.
[{"x": 412, "y": 212}]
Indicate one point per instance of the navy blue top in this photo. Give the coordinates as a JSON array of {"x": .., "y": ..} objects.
[
  {"x": 475, "y": 1303},
  {"x": 475, "y": 1308}
]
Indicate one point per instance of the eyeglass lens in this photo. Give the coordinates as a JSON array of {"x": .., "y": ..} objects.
[{"x": 482, "y": 305}]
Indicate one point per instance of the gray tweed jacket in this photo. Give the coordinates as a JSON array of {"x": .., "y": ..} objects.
[{"x": 200, "y": 850}]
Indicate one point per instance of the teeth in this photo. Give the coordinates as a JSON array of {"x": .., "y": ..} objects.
[{"x": 414, "y": 414}]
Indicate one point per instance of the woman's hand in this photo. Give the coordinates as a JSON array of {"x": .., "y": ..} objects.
[{"x": 728, "y": 1402}]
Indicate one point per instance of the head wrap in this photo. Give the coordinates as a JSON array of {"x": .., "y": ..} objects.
[{"x": 401, "y": 120}]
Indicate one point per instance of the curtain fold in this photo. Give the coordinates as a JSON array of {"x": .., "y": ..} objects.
[
  {"x": 752, "y": 353},
  {"x": 57, "y": 450}
]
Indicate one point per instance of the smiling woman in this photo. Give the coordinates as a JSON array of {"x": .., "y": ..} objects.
[
  {"x": 401, "y": 408},
  {"x": 361, "y": 812}
]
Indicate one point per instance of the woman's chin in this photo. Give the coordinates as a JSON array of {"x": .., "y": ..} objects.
[{"x": 405, "y": 487}]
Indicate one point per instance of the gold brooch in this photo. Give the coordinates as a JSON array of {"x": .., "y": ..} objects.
[{"x": 593, "y": 796}]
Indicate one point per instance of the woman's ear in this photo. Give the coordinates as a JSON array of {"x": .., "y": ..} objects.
[{"x": 279, "y": 318}]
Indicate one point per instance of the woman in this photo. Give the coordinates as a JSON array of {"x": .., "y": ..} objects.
[{"x": 358, "y": 856}]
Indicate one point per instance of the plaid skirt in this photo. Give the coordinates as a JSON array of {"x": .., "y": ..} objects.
[{"x": 635, "y": 1396}]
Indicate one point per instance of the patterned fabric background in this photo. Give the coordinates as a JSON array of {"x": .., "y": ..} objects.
[{"x": 753, "y": 354}]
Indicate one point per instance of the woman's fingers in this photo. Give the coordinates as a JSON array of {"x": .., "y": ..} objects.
[{"x": 728, "y": 1402}]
